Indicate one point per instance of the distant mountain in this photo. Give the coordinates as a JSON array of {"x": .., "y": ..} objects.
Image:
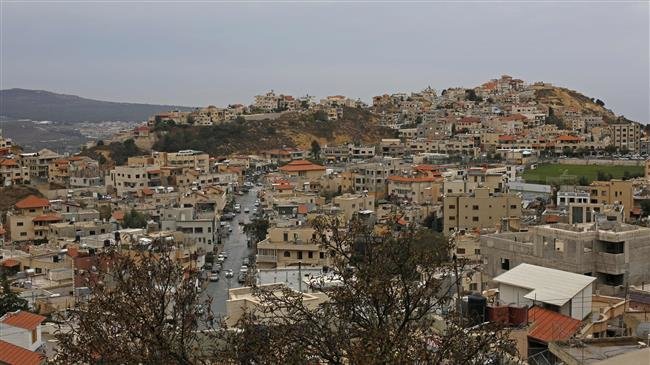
[{"x": 45, "y": 105}]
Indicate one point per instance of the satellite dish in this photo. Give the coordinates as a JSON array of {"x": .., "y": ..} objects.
[{"x": 643, "y": 330}]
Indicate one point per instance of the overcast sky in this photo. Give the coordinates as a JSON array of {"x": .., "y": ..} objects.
[{"x": 199, "y": 53}]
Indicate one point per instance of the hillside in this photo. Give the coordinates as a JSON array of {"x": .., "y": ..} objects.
[
  {"x": 10, "y": 195},
  {"x": 290, "y": 129},
  {"x": 562, "y": 97},
  {"x": 241, "y": 136},
  {"x": 45, "y": 105}
]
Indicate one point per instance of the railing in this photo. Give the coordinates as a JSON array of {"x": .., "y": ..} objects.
[{"x": 266, "y": 258}]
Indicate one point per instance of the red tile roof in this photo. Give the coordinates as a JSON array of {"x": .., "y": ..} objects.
[
  {"x": 301, "y": 165},
  {"x": 553, "y": 218},
  {"x": 16, "y": 355},
  {"x": 568, "y": 138},
  {"x": 302, "y": 209},
  {"x": 507, "y": 137},
  {"x": 549, "y": 326},
  {"x": 32, "y": 201},
  {"x": 118, "y": 215},
  {"x": 514, "y": 117},
  {"x": 8, "y": 162},
  {"x": 10, "y": 263},
  {"x": 22, "y": 319}
]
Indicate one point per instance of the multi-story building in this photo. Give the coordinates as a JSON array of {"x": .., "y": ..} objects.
[
  {"x": 203, "y": 230},
  {"x": 349, "y": 204},
  {"x": 267, "y": 102},
  {"x": 614, "y": 253},
  {"x": 289, "y": 243},
  {"x": 129, "y": 179},
  {"x": 30, "y": 219},
  {"x": 186, "y": 159},
  {"x": 38, "y": 162},
  {"x": 626, "y": 136},
  {"x": 11, "y": 172},
  {"x": 480, "y": 209},
  {"x": 613, "y": 192},
  {"x": 415, "y": 189}
]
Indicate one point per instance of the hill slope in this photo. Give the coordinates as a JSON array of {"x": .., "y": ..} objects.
[
  {"x": 45, "y": 105},
  {"x": 562, "y": 97}
]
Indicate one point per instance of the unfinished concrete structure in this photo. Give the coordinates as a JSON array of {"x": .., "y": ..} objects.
[{"x": 615, "y": 254}]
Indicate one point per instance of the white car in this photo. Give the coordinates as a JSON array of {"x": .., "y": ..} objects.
[
  {"x": 214, "y": 277},
  {"x": 221, "y": 258},
  {"x": 229, "y": 273}
]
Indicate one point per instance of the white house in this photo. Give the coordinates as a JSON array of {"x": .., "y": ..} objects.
[
  {"x": 561, "y": 291},
  {"x": 22, "y": 329}
]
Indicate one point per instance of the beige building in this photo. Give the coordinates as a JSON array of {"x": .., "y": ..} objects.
[
  {"x": 38, "y": 162},
  {"x": 11, "y": 172},
  {"x": 303, "y": 170},
  {"x": 626, "y": 135},
  {"x": 185, "y": 158},
  {"x": 349, "y": 204},
  {"x": 481, "y": 209},
  {"x": 128, "y": 180},
  {"x": 30, "y": 219},
  {"x": 612, "y": 192},
  {"x": 415, "y": 189},
  {"x": 290, "y": 243}
]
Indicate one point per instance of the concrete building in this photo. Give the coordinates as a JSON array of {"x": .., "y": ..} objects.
[
  {"x": 289, "y": 243},
  {"x": 614, "y": 253},
  {"x": 481, "y": 209},
  {"x": 415, "y": 189},
  {"x": 626, "y": 136},
  {"x": 303, "y": 170},
  {"x": 613, "y": 192},
  {"x": 127, "y": 180},
  {"x": 349, "y": 204},
  {"x": 23, "y": 329},
  {"x": 11, "y": 172},
  {"x": 561, "y": 291},
  {"x": 38, "y": 162},
  {"x": 203, "y": 231},
  {"x": 30, "y": 219},
  {"x": 196, "y": 160}
]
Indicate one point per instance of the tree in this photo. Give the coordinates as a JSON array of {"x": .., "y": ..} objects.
[
  {"x": 610, "y": 149},
  {"x": 320, "y": 115},
  {"x": 315, "y": 149},
  {"x": 381, "y": 311},
  {"x": 105, "y": 212},
  {"x": 600, "y": 102},
  {"x": 257, "y": 229},
  {"x": 143, "y": 310},
  {"x": 134, "y": 219},
  {"x": 10, "y": 301},
  {"x": 583, "y": 181},
  {"x": 645, "y": 207},
  {"x": 99, "y": 143}
]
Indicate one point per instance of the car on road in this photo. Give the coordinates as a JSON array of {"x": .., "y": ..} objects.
[
  {"x": 241, "y": 277},
  {"x": 221, "y": 258},
  {"x": 224, "y": 254},
  {"x": 216, "y": 268},
  {"x": 229, "y": 273},
  {"x": 246, "y": 210},
  {"x": 214, "y": 277},
  {"x": 207, "y": 266},
  {"x": 237, "y": 208},
  {"x": 246, "y": 261}
]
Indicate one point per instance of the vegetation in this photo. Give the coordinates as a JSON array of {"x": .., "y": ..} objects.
[
  {"x": 118, "y": 152},
  {"x": 380, "y": 312},
  {"x": 143, "y": 311},
  {"x": 257, "y": 229},
  {"x": 10, "y": 195},
  {"x": 9, "y": 301},
  {"x": 134, "y": 219},
  {"x": 583, "y": 174},
  {"x": 315, "y": 149}
]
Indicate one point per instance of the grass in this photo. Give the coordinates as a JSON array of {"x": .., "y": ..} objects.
[{"x": 548, "y": 173}]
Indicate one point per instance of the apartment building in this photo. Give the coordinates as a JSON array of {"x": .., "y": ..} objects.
[
  {"x": 203, "y": 231},
  {"x": 11, "y": 172},
  {"x": 191, "y": 159},
  {"x": 289, "y": 243},
  {"x": 480, "y": 209},
  {"x": 608, "y": 251},
  {"x": 349, "y": 204},
  {"x": 30, "y": 219},
  {"x": 613, "y": 192},
  {"x": 127, "y": 180},
  {"x": 414, "y": 189},
  {"x": 267, "y": 102},
  {"x": 303, "y": 170},
  {"x": 62, "y": 170},
  {"x": 38, "y": 162},
  {"x": 626, "y": 136}
]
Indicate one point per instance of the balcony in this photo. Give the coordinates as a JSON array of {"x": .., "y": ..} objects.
[
  {"x": 610, "y": 263},
  {"x": 269, "y": 259}
]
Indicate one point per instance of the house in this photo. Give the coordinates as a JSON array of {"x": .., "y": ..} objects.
[
  {"x": 11, "y": 172},
  {"x": 560, "y": 291},
  {"x": 303, "y": 169},
  {"x": 480, "y": 209},
  {"x": 11, "y": 354},
  {"x": 30, "y": 219},
  {"x": 23, "y": 329}
]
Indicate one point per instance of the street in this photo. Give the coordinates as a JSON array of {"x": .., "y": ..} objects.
[{"x": 235, "y": 246}]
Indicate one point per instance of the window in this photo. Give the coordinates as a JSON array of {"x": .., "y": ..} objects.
[
  {"x": 321, "y": 255},
  {"x": 474, "y": 207},
  {"x": 23, "y": 234},
  {"x": 310, "y": 255},
  {"x": 285, "y": 236},
  {"x": 474, "y": 219},
  {"x": 505, "y": 264},
  {"x": 34, "y": 335},
  {"x": 477, "y": 251},
  {"x": 451, "y": 206},
  {"x": 460, "y": 251},
  {"x": 473, "y": 286},
  {"x": 452, "y": 218},
  {"x": 32, "y": 210},
  {"x": 299, "y": 255},
  {"x": 513, "y": 206},
  {"x": 287, "y": 254}
]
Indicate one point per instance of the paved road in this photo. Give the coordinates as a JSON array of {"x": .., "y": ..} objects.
[{"x": 235, "y": 246}]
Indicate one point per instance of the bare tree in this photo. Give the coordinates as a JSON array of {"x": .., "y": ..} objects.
[
  {"x": 391, "y": 283},
  {"x": 144, "y": 309}
]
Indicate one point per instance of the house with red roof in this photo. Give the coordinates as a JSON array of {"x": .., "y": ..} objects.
[
  {"x": 15, "y": 355},
  {"x": 22, "y": 329},
  {"x": 303, "y": 169},
  {"x": 12, "y": 172},
  {"x": 30, "y": 219}
]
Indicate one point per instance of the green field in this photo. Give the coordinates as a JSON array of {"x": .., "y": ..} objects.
[{"x": 571, "y": 174}]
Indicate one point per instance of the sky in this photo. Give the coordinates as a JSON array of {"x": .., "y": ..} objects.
[{"x": 198, "y": 53}]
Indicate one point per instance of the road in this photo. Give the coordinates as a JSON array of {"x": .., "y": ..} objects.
[{"x": 235, "y": 245}]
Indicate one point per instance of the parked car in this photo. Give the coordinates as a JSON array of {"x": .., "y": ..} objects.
[
  {"x": 216, "y": 268},
  {"x": 207, "y": 266},
  {"x": 214, "y": 277},
  {"x": 221, "y": 258},
  {"x": 241, "y": 277},
  {"x": 229, "y": 273},
  {"x": 246, "y": 210},
  {"x": 224, "y": 254},
  {"x": 246, "y": 261}
]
